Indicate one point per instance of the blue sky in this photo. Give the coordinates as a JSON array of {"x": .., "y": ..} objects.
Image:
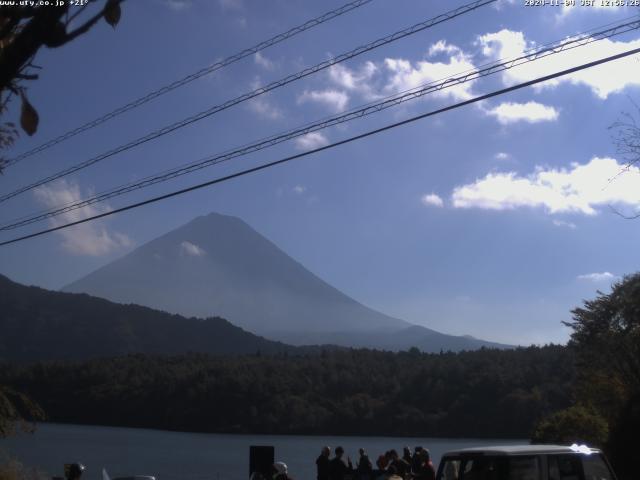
[{"x": 491, "y": 220}]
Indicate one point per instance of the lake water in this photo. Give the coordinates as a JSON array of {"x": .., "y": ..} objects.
[{"x": 194, "y": 456}]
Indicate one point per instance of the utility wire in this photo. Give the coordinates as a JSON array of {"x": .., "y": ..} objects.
[
  {"x": 330, "y": 146},
  {"x": 464, "y": 77},
  {"x": 255, "y": 93},
  {"x": 190, "y": 78}
]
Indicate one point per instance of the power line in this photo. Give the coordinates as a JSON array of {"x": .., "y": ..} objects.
[
  {"x": 190, "y": 78},
  {"x": 255, "y": 93},
  {"x": 453, "y": 80},
  {"x": 330, "y": 146}
]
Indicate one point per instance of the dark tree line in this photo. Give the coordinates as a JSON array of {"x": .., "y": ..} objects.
[
  {"x": 606, "y": 393},
  {"x": 486, "y": 393}
]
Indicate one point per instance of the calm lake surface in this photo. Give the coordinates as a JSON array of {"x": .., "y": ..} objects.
[{"x": 194, "y": 456}]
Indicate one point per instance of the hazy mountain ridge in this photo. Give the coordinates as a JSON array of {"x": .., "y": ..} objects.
[
  {"x": 218, "y": 265},
  {"x": 38, "y": 324}
]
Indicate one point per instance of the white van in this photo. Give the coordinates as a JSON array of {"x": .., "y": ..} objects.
[{"x": 527, "y": 462}]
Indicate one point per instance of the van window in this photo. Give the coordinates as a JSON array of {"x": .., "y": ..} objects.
[
  {"x": 483, "y": 468},
  {"x": 564, "y": 467},
  {"x": 524, "y": 468},
  {"x": 451, "y": 470},
  {"x": 595, "y": 468}
]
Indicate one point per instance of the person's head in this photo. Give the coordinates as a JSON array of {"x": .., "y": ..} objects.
[
  {"x": 326, "y": 451},
  {"x": 406, "y": 451},
  {"x": 426, "y": 455},
  {"x": 393, "y": 454},
  {"x": 75, "y": 471},
  {"x": 339, "y": 452},
  {"x": 418, "y": 449},
  {"x": 280, "y": 468},
  {"x": 361, "y": 452}
]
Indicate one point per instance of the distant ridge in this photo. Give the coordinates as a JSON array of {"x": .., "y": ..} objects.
[
  {"x": 38, "y": 325},
  {"x": 217, "y": 265}
]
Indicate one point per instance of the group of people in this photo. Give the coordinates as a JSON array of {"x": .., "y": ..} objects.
[{"x": 390, "y": 465}]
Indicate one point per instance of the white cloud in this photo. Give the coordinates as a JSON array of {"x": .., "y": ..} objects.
[
  {"x": 562, "y": 223},
  {"x": 91, "y": 238},
  {"x": 299, "y": 189},
  {"x": 581, "y": 189},
  {"x": 352, "y": 79},
  {"x": 598, "y": 277},
  {"x": 603, "y": 80},
  {"x": 336, "y": 100},
  {"x": 530, "y": 112},
  {"x": 502, "y": 156},
  {"x": 360, "y": 81},
  {"x": 432, "y": 200},
  {"x": 263, "y": 61},
  {"x": 262, "y": 105},
  {"x": 405, "y": 75},
  {"x": 311, "y": 141},
  {"x": 191, "y": 249},
  {"x": 441, "y": 46},
  {"x": 394, "y": 75}
]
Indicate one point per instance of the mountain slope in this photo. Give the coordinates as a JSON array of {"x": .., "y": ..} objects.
[
  {"x": 218, "y": 265},
  {"x": 38, "y": 324}
]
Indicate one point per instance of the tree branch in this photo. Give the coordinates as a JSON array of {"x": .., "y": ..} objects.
[
  {"x": 27, "y": 42},
  {"x": 89, "y": 23}
]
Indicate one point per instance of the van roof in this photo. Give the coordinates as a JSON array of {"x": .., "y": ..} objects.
[{"x": 523, "y": 450}]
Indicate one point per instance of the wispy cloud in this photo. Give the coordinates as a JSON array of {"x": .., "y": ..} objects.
[
  {"x": 263, "y": 61},
  {"x": 299, "y": 189},
  {"x": 334, "y": 99},
  {"x": 531, "y": 112},
  {"x": 91, "y": 238},
  {"x": 311, "y": 140},
  {"x": 231, "y": 4},
  {"x": 432, "y": 200},
  {"x": 562, "y": 223},
  {"x": 581, "y": 189},
  {"x": 502, "y": 156},
  {"x": 262, "y": 105},
  {"x": 178, "y": 5},
  {"x": 191, "y": 249},
  {"x": 598, "y": 277}
]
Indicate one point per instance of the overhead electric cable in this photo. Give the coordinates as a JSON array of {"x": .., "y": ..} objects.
[
  {"x": 255, "y": 93},
  {"x": 469, "y": 75},
  {"x": 190, "y": 78},
  {"x": 330, "y": 146}
]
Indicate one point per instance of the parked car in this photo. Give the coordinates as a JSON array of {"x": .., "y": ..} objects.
[{"x": 526, "y": 462}]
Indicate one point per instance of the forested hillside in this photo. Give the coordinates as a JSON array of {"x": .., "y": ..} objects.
[
  {"x": 38, "y": 324},
  {"x": 485, "y": 393}
]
